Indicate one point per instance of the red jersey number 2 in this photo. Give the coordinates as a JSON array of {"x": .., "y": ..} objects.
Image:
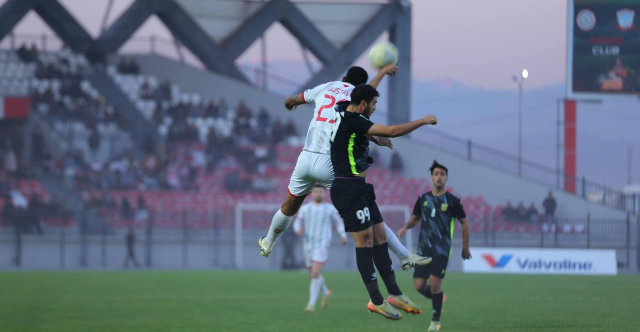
[{"x": 329, "y": 105}]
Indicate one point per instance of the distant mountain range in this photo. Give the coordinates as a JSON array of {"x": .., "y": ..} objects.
[{"x": 490, "y": 117}]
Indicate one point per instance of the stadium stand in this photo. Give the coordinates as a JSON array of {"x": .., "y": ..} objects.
[
  {"x": 80, "y": 118},
  {"x": 214, "y": 157}
]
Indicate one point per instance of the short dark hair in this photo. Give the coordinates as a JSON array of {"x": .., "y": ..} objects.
[
  {"x": 319, "y": 186},
  {"x": 356, "y": 76},
  {"x": 363, "y": 92},
  {"x": 438, "y": 165}
]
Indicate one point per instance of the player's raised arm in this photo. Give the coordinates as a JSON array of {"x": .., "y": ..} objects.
[
  {"x": 401, "y": 129},
  {"x": 390, "y": 70},
  {"x": 466, "y": 254},
  {"x": 306, "y": 97},
  {"x": 294, "y": 101}
]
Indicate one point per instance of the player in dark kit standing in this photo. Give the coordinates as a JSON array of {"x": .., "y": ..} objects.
[
  {"x": 355, "y": 199},
  {"x": 437, "y": 210}
]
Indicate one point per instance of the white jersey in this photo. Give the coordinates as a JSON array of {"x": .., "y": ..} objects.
[
  {"x": 316, "y": 220},
  {"x": 325, "y": 97}
]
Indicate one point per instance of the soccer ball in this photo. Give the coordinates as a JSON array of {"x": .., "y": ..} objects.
[{"x": 383, "y": 54}]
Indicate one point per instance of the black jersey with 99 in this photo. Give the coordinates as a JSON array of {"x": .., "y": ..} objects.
[
  {"x": 349, "y": 143},
  {"x": 438, "y": 214}
]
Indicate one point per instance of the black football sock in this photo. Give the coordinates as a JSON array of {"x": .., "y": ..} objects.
[
  {"x": 426, "y": 292},
  {"x": 385, "y": 268},
  {"x": 364, "y": 260},
  {"x": 436, "y": 300}
]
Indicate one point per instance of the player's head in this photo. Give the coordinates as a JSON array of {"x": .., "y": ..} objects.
[
  {"x": 439, "y": 174},
  {"x": 318, "y": 193},
  {"x": 364, "y": 97},
  {"x": 356, "y": 76}
]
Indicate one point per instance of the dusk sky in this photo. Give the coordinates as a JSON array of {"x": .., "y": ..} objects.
[{"x": 478, "y": 43}]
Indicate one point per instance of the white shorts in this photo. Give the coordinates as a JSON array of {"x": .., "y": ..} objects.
[
  {"x": 317, "y": 254},
  {"x": 311, "y": 168}
]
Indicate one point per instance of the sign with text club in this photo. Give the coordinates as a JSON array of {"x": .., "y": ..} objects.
[{"x": 604, "y": 48}]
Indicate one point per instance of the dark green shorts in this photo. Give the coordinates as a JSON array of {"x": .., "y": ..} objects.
[{"x": 437, "y": 268}]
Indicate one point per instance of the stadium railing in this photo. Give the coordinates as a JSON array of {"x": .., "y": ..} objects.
[
  {"x": 199, "y": 239},
  {"x": 526, "y": 169}
]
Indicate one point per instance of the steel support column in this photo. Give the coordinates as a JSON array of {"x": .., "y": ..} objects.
[{"x": 400, "y": 86}]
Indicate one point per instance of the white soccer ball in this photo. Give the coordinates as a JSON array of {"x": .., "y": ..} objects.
[{"x": 383, "y": 54}]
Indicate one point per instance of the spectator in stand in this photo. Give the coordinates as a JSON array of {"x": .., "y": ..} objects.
[
  {"x": 142, "y": 213},
  {"x": 521, "y": 212},
  {"x": 145, "y": 90},
  {"x": 509, "y": 212},
  {"x": 37, "y": 146},
  {"x": 122, "y": 67},
  {"x": 130, "y": 241},
  {"x": 35, "y": 213},
  {"x": 11, "y": 215},
  {"x": 290, "y": 130},
  {"x": 133, "y": 67},
  {"x": 165, "y": 90},
  {"x": 264, "y": 120},
  {"x": 10, "y": 161},
  {"x": 126, "y": 211},
  {"x": 53, "y": 209},
  {"x": 129, "y": 67},
  {"x": 532, "y": 213},
  {"x": 212, "y": 110},
  {"x": 277, "y": 132},
  {"x": 396, "y": 162},
  {"x": 549, "y": 205},
  {"x": 94, "y": 143},
  {"x": 28, "y": 55}
]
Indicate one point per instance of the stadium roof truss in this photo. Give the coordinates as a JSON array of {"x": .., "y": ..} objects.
[{"x": 217, "y": 32}]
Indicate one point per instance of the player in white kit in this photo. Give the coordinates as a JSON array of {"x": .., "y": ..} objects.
[
  {"x": 314, "y": 223},
  {"x": 314, "y": 163}
]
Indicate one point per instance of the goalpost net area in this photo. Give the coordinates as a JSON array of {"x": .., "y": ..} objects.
[{"x": 252, "y": 222}]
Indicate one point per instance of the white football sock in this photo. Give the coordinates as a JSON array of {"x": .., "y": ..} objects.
[
  {"x": 314, "y": 291},
  {"x": 324, "y": 288},
  {"x": 279, "y": 224},
  {"x": 395, "y": 245}
]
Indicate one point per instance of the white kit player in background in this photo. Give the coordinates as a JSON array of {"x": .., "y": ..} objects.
[
  {"x": 314, "y": 223},
  {"x": 314, "y": 163}
]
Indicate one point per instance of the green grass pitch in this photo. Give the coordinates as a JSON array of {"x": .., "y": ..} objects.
[{"x": 274, "y": 301}]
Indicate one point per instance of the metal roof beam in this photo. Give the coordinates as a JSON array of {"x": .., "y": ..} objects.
[
  {"x": 183, "y": 27},
  {"x": 127, "y": 24},
  {"x": 240, "y": 40},
  {"x": 12, "y": 12},
  {"x": 308, "y": 34},
  {"x": 65, "y": 26},
  {"x": 379, "y": 23}
]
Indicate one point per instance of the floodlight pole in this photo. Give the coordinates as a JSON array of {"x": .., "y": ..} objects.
[{"x": 520, "y": 81}]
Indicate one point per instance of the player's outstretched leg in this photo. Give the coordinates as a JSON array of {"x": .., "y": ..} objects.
[
  {"x": 364, "y": 261},
  {"x": 385, "y": 268},
  {"x": 280, "y": 223},
  {"x": 384, "y": 265},
  {"x": 407, "y": 259}
]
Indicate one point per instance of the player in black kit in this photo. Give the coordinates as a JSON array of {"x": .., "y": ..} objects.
[
  {"x": 355, "y": 199},
  {"x": 437, "y": 211}
]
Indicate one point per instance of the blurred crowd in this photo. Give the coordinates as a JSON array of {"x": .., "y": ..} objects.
[{"x": 521, "y": 213}]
